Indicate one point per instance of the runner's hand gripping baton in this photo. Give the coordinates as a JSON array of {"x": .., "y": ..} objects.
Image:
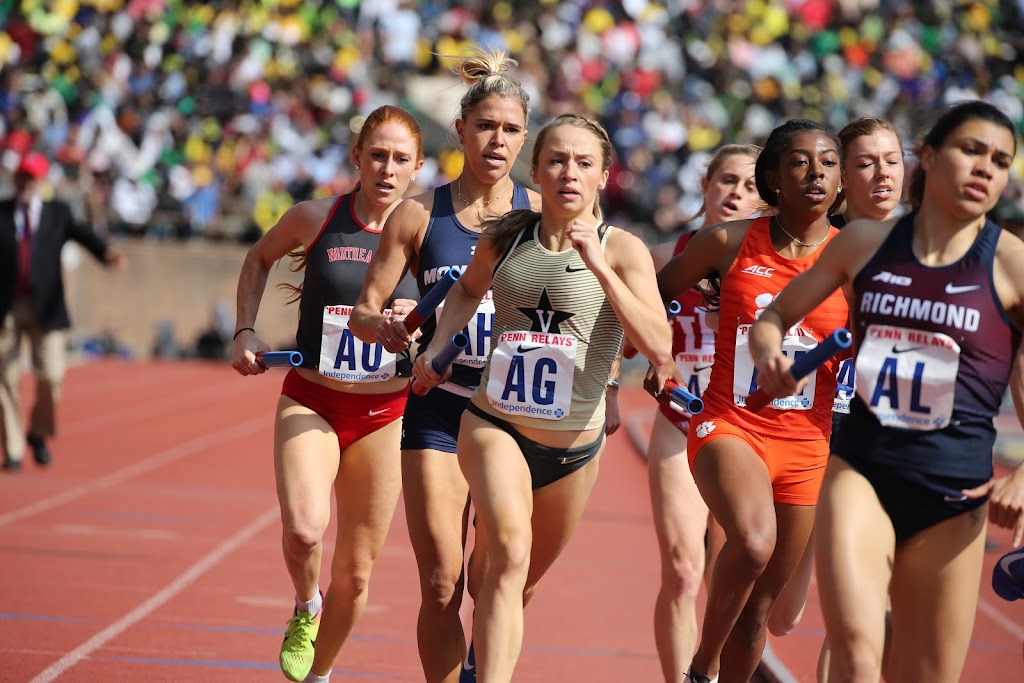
[
  {"x": 681, "y": 397},
  {"x": 805, "y": 365},
  {"x": 430, "y": 301},
  {"x": 279, "y": 359},
  {"x": 445, "y": 357}
]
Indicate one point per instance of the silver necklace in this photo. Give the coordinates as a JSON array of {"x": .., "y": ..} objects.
[
  {"x": 483, "y": 204},
  {"x": 797, "y": 239}
]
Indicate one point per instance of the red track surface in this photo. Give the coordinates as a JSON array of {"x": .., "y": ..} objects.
[{"x": 150, "y": 552}]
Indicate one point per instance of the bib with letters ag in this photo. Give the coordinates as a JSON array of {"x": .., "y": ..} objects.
[
  {"x": 796, "y": 343},
  {"x": 531, "y": 374},
  {"x": 907, "y": 377},
  {"x": 345, "y": 357}
]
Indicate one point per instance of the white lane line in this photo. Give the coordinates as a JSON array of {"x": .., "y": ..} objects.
[
  {"x": 185, "y": 580},
  {"x": 1008, "y": 624},
  {"x": 191, "y": 447},
  {"x": 779, "y": 670}
]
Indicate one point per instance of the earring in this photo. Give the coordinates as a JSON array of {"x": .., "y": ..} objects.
[
  {"x": 357, "y": 167},
  {"x": 778, "y": 190}
]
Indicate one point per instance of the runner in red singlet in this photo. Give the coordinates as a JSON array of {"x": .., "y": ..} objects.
[{"x": 680, "y": 515}]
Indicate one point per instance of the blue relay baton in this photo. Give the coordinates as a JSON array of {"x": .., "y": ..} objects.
[
  {"x": 681, "y": 397},
  {"x": 806, "y": 364},
  {"x": 430, "y": 301},
  {"x": 280, "y": 359},
  {"x": 445, "y": 357}
]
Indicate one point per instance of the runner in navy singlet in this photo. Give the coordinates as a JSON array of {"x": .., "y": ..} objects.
[
  {"x": 346, "y": 399},
  {"x": 428, "y": 235},
  {"x": 937, "y": 302}
]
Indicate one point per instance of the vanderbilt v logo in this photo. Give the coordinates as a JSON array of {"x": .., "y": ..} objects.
[{"x": 544, "y": 317}]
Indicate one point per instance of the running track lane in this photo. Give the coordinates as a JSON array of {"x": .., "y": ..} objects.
[
  {"x": 150, "y": 550},
  {"x": 995, "y": 651}
]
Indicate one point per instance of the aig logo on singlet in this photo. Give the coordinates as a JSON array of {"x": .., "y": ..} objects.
[
  {"x": 891, "y": 279},
  {"x": 760, "y": 271}
]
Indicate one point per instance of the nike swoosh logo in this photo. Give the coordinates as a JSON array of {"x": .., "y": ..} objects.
[
  {"x": 570, "y": 269},
  {"x": 566, "y": 460},
  {"x": 1009, "y": 559},
  {"x": 532, "y": 348},
  {"x": 706, "y": 367},
  {"x": 960, "y": 289},
  {"x": 909, "y": 348},
  {"x": 379, "y": 412}
]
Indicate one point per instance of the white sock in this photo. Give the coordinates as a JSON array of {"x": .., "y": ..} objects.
[
  {"x": 310, "y": 606},
  {"x": 314, "y": 678}
]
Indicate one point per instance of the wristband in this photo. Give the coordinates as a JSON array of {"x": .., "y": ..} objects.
[{"x": 241, "y": 330}]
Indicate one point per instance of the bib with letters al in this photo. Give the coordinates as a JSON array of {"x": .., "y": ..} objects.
[
  {"x": 531, "y": 374},
  {"x": 478, "y": 331},
  {"x": 907, "y": 377},
  {"x": 796, "y": 343},
  {"x": 345, "y": 357}
]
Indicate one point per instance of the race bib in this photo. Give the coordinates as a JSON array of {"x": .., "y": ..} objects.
[
  {"x": 531, "y": 374},
  {"x": 344, "y": 357},
  {"x": 794, "y": 344},
  {"x": 847, "y": 378},
  {"x": 698, "y": 355},
  {"x": 695, "y": 370},
  {"x": 478, "y": 331},
  {"x": 907, "y": 378}
]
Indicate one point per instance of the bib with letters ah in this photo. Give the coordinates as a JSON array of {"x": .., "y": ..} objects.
[
  {"x": 531, "y": 374},
  {"x": 796, "y": 343},
  {"x": 907, "y": 377},
  {"x": 478, "y": 331},
  {"x": 345, "y": 357}
]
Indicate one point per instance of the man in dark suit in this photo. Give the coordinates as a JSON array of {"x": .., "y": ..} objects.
[{"x": 32, "y": 306}]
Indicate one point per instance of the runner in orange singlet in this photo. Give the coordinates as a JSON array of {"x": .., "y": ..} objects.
[{"x": 760, "y": 473}]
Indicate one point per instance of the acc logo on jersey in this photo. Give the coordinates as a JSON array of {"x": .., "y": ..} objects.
[
  {"x": 761, "y": 271},
  {"x": 705, "y": 428}
]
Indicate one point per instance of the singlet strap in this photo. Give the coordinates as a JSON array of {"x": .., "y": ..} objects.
[
  {"x": 524, "y": 235},
  {"x": 443, "y": 205}
]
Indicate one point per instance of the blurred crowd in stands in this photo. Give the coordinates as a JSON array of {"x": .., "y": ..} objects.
[{"x": 174, "y": 118}]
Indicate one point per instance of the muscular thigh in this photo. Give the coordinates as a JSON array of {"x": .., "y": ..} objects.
[
  {"x": 557, "y": 509},
  {"x": 306, "y": 458},
  {"x": 367, "y": 487},
  {"x": 855, "y": 543},
  {"x": 498, "y": 476},
  {"x": 934, "y": 598},
  {"x": 436, "y": 505},
  {"x": 680, "y": 514}
]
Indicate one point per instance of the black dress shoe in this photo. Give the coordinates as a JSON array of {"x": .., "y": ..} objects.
[
  {"x": 11, "y": 465},
  {"x": 40, "y": 452}
]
